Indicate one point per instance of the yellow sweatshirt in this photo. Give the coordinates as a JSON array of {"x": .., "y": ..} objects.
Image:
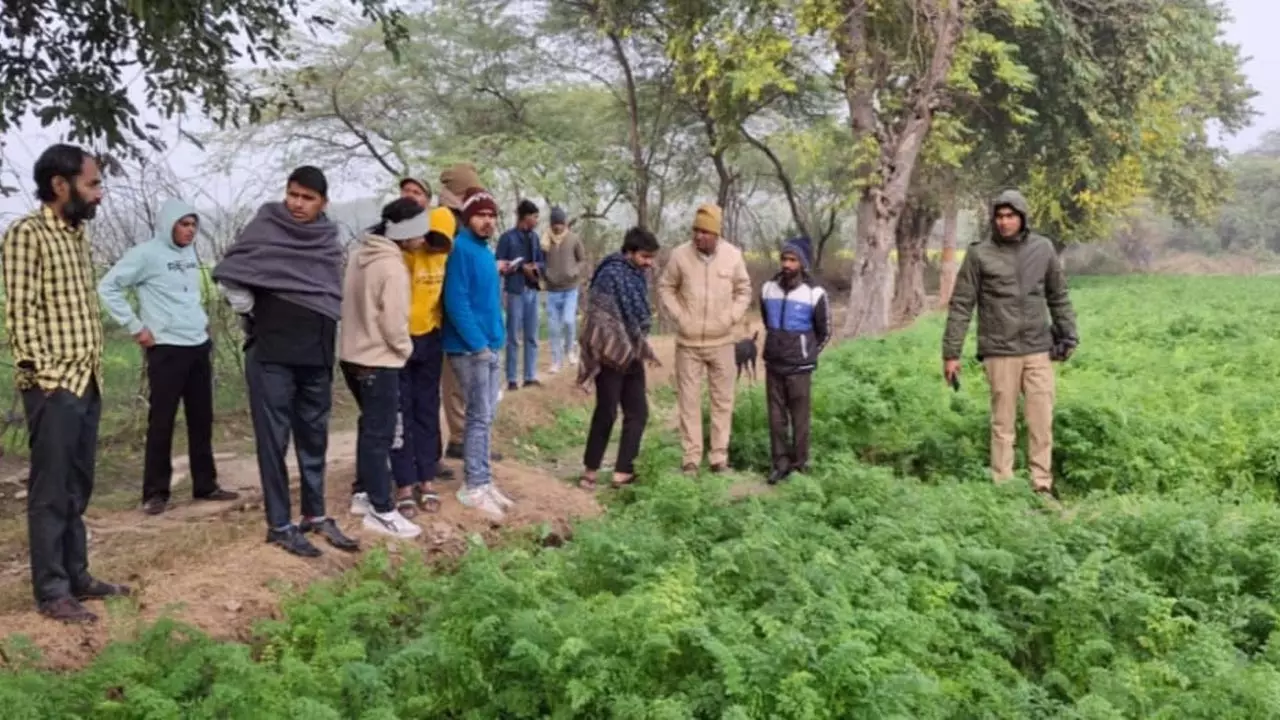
[{"x": 426, "y": 278}]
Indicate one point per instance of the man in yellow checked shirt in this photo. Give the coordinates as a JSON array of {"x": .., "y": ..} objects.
[{"x": 415, "y": 451}]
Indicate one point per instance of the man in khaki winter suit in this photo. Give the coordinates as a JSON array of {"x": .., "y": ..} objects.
[{"x": 706, "y": 289}]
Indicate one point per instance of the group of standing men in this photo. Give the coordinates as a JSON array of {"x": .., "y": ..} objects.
[{"x": 419, "y": 310}]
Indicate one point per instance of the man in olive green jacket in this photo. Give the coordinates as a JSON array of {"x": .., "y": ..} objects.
[{"x": 1015, "y": 281}]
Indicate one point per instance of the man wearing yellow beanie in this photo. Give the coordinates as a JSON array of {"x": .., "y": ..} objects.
[{"x": 705, "y": 288}]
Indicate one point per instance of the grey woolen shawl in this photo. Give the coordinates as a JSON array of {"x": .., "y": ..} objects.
[{"x": 299, "y": 263}]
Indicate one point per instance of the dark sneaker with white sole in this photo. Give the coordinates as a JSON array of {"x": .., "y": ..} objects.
[
  {"x": 293, "y": 541},
  {"x": 328, "y": 529}
]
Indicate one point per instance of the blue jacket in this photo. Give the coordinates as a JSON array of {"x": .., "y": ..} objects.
[
  {"x": 168, "y": 281},
  {"x": 472, "y": 298},
  {"x": 797, "y": 320},
  {"x": 515, "y": 244}
]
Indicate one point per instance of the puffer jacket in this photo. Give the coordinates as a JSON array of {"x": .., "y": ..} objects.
[
  {"x": 797, "y": 323},
  {"x": 1018, "y": 288}
]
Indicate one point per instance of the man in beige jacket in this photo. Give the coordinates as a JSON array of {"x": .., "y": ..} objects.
[{"x": 706, "y": 290}]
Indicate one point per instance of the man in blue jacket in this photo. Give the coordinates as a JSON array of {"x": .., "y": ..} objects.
[
  {"x": 173, "y": 330},
  {"x": 473, "y": 335},
  {"x": 521, "y": 249},
  {"x": 797, "y": 321}
]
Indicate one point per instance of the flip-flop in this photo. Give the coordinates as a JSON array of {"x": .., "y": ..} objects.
[
  {"x": 617, "y": 484},
  {"x": 429, "y": 501},
  {"x": 587, "y": 483},
  {"x": 407, "y": 507}
]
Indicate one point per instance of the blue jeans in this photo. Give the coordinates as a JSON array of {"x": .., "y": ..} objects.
[
  {"x": 562, "y": 322},
  {"x": 522, "y": 319},
  {"x": 480, "y": 377},
  {"x": 415, "y": 454},
  {"x": 377, "y": 394}
]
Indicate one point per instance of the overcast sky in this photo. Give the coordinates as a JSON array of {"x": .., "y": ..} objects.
[{"x": 1253, "y": 28}]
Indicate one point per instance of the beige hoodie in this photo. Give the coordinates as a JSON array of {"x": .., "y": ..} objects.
[{"x": 375, "y": 306}]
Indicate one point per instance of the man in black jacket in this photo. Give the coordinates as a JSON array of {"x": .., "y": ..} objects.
[
  {"x": 284, "y": 275},
  {"x": 797, "y": 321}
]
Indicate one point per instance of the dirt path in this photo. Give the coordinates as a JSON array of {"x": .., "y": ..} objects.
[{"x": 207, "y": 565}]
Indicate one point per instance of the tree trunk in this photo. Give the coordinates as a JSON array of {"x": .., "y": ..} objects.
[
  {"x": 638, "y": 165},
  {"x": 881, "y": 206},
  {"x": 912, "y": 239},
  {"x": 950, "y": 228}
]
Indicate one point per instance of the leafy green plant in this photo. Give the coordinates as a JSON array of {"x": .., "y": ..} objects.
[{"x": 854, "y": 592}]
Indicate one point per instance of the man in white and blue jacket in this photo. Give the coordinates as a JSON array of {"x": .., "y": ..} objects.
[
  {"x": 173, "y": 330},
  {"x": 797, "y": 320}
]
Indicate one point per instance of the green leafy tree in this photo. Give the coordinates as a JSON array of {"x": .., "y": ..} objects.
[{"x": 74, "y": 59}]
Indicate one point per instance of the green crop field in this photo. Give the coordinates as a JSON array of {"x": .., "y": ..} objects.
[{"x": 895, "y": 582}]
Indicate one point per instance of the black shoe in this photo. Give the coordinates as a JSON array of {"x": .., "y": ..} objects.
[
  {"x": 454, "y": 451},
  {"x": 495, "y": 456},
  {"x": 444, "y": 472},
  {"x": 719, "y": 469},
  {"x": 98, "y": 590},
  {"x": 512, "y": 387},
  {"x": 778, "y": 476},
  {"x": 219, "y": 495},
  {"x": 329, "y": 530},
  {"x": 154, "y": 506},
  {"x": 532, "y": 383},
  {"x": 293, "y": 541},
  {"x": 67, "y": 610}
]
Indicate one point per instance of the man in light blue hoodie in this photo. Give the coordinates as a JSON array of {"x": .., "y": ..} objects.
[{"x": 173, "y": 330}]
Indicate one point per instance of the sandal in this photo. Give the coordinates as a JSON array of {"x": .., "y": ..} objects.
[
  {"x": 620, "y": 482},
  {"x": 407, "y": 507},
  {"x": 428, "y": 500},
  {"x": 588, "y": 482}
]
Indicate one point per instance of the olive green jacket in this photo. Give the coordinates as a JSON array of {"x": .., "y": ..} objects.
[{"x": 1017, "y": 286}]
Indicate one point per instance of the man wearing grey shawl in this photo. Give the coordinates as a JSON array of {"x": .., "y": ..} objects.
[{"x": 284, "y": 277}]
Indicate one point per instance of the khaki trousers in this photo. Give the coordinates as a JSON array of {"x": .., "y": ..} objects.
[
  {"x": 1030, "y": 376},
  {"x": 692, "y": 365},
  {"x": 453, "y": 406}
]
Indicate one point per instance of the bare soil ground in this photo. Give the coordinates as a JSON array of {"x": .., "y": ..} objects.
[{"x": 208, "y": 565}]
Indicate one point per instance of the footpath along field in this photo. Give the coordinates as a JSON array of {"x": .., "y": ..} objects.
[{"x": 896, "y": 582}]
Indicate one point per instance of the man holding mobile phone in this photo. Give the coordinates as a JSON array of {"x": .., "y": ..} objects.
[
  {"x": 1025, "y": 323},
  {"x": 520, "y": 262}
]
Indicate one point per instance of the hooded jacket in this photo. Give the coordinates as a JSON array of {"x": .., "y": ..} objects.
[
  {"x": 797, "y": 321},
  {"x": 1018, "y": 288},
  {"x": 168, "y": 281},
  {"x": 375, "y": 307}
]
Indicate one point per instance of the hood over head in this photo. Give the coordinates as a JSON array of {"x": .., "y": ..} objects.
[
  {"x": 171, "y": 211},
  {"x": 1018, "y": 202}
]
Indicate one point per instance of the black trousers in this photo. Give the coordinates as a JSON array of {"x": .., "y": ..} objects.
[
  {"x": 790, "y": 408},
  {"x": 287, "y": 400},
  {"x": 62, "y": 431},
  {"x": 614, "y": 389},
  {"x": 179, "y": 374}
]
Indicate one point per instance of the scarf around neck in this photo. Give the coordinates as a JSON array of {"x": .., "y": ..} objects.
[{"x": 299, "y": 263}]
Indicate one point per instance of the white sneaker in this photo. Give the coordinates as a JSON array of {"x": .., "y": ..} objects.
[
  {"x": 500, "y": 497},
  {"x": 480, "y": 499},
  {"x": 573, "y": 356},
  {"x": 555, "y": 368},
  {"x": 360, "y": 504},
  {"x": 391, "y": 523}
]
